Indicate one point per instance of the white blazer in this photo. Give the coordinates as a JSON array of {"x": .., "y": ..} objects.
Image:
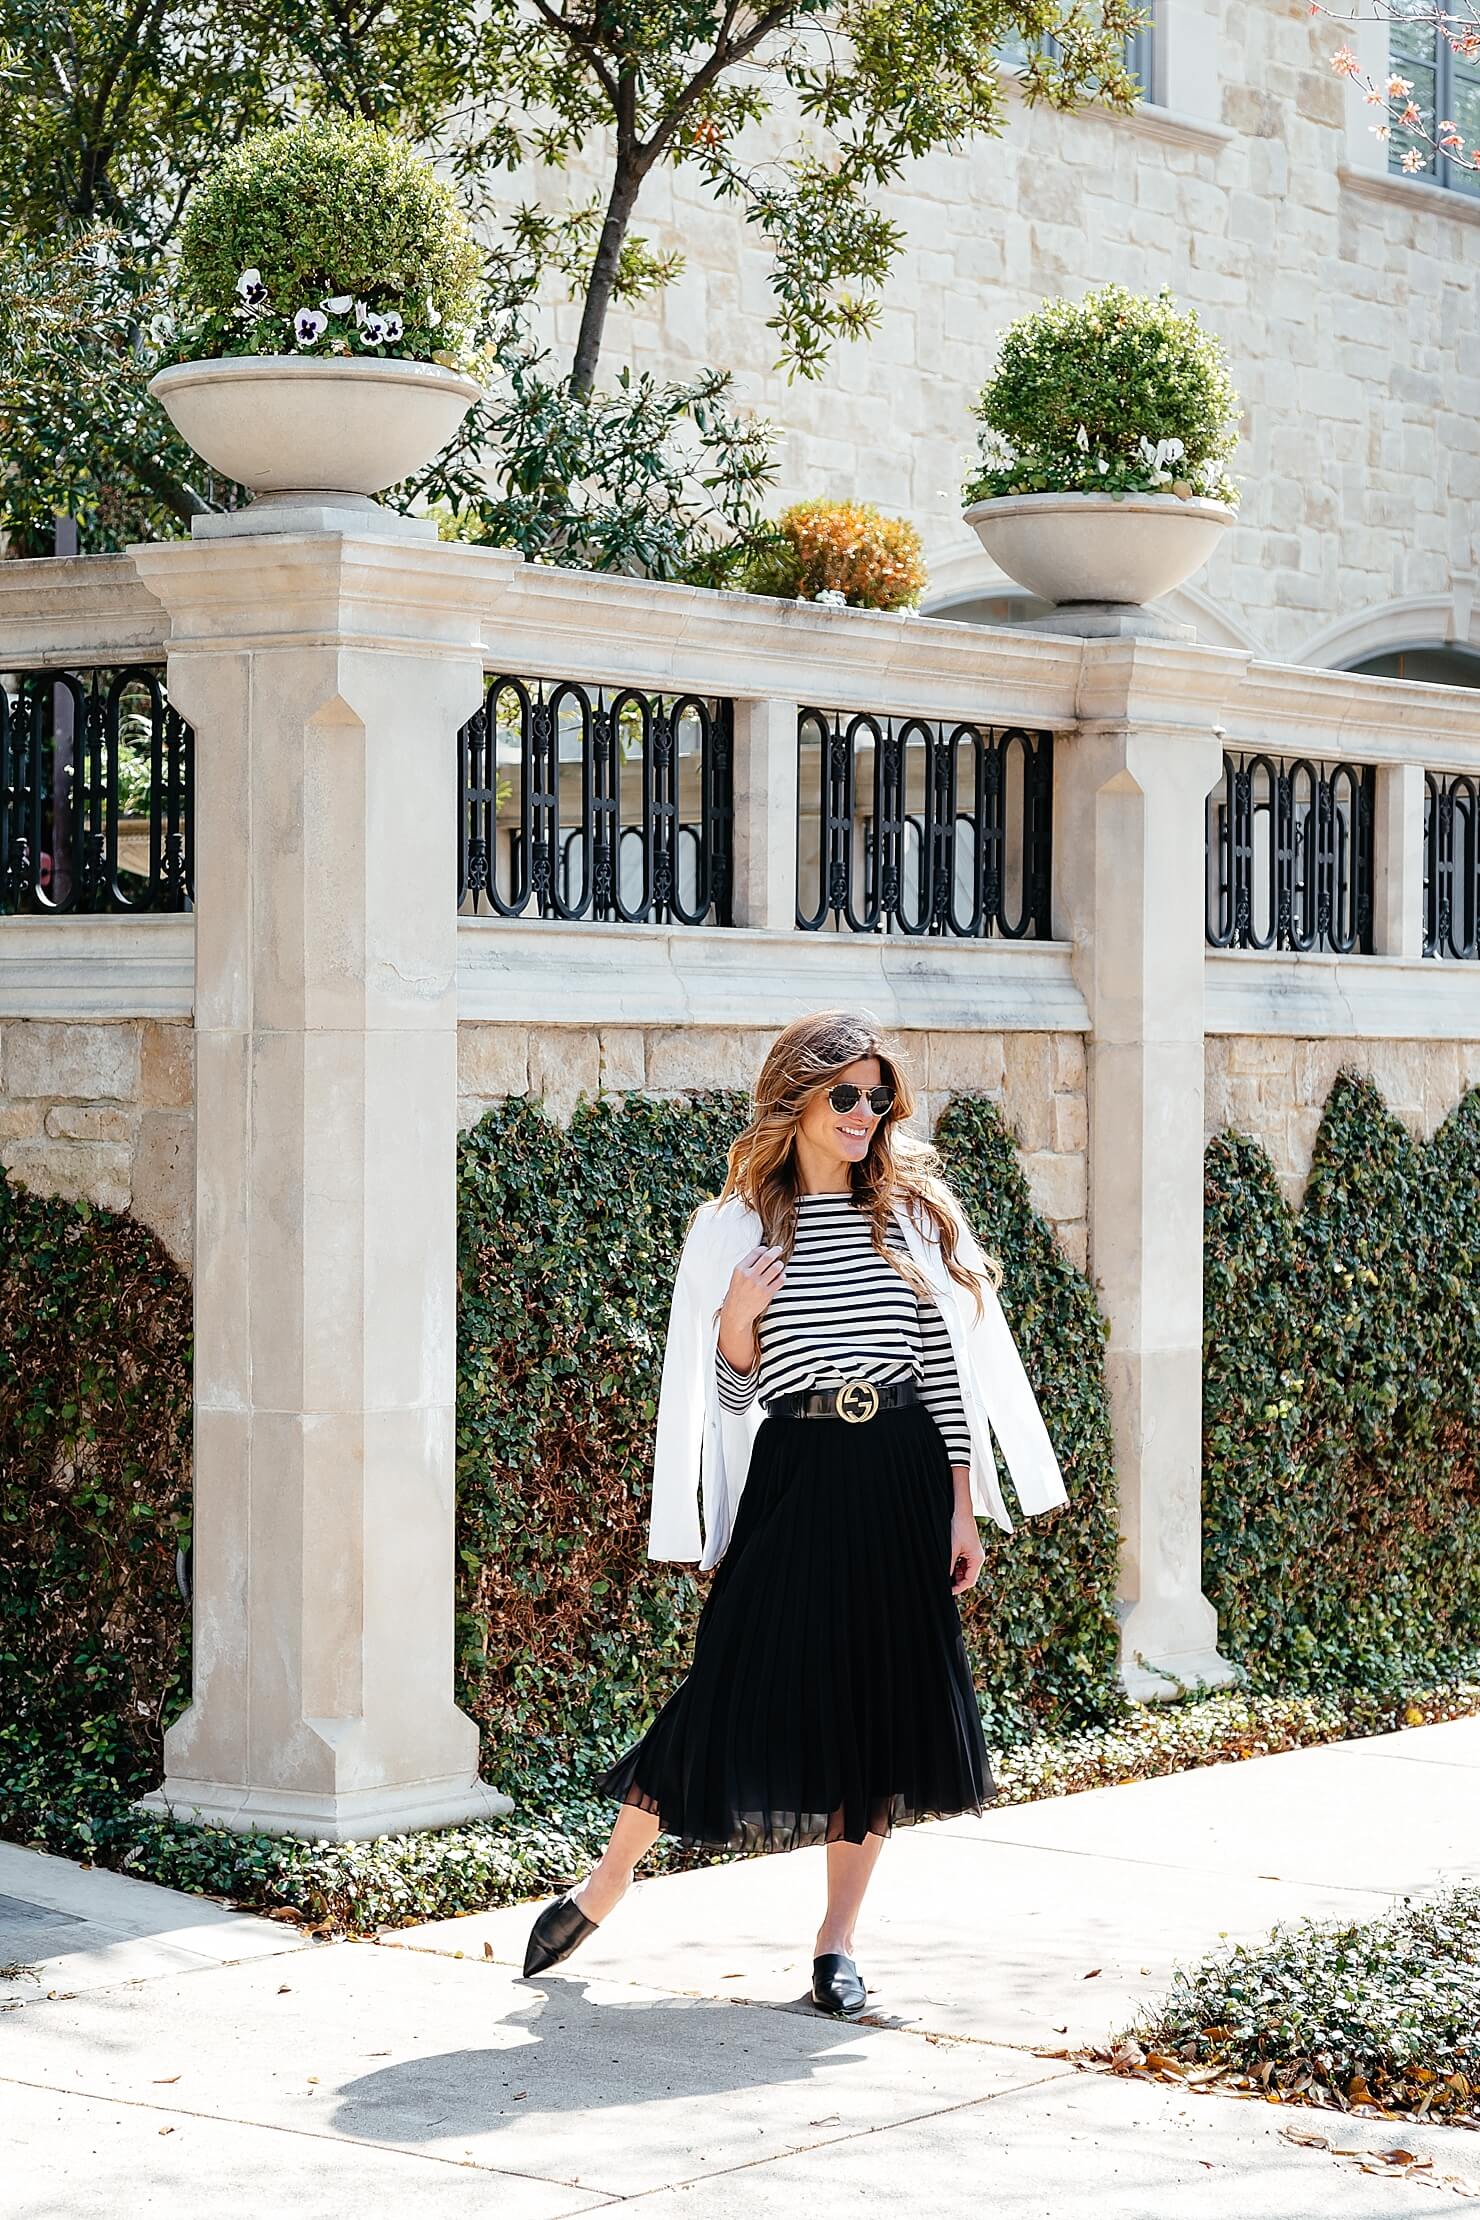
[{"x": 703, "y": 1448}]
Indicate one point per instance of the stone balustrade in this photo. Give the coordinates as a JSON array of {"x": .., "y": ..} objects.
[{"x": 345, "y": 1022}]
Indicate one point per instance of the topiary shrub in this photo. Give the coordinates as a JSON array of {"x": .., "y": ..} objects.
[
  {"x": 1120, "y": 393},
  {"x": 327, "y": 238},
  {"x": 842, "y": 552},
  {"x": 1341, "y": 1386}
]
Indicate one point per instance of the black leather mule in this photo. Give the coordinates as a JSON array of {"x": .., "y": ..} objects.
[
  {"x": 556, "y": 1932},
  {"x": 837, "y": 1985}
]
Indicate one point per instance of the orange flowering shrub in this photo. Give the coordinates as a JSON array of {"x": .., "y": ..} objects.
[{"x": 848, "y": 551}]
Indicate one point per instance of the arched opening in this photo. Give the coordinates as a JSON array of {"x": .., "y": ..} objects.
[{"x": 1432, "y": 663}]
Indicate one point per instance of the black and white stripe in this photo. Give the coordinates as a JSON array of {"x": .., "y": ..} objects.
[{"x": 843, "y": 1314}]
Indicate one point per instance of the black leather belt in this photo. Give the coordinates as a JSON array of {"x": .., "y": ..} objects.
[{"x": 855, "y": 1400}]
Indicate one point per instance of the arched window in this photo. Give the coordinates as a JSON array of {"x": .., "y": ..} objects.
[{"x": 1432, "y": 662}]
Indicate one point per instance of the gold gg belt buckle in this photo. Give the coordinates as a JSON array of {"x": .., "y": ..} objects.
[{"x": 858, "y": 1400}]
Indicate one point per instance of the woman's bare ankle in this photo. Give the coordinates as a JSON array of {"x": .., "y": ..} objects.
[{"x": 601, "y": 1891}]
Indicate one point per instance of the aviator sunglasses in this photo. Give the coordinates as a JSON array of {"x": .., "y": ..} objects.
[{"x": 845, "y": 1097}]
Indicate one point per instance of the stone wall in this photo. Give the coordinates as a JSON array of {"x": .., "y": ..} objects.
[
  {"x": 103, "y": 1111},
  {"x": 1275, "y": 1088},
  {"x": 1036, "y": 1078}
]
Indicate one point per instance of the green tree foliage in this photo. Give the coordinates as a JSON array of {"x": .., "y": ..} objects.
[{"x": 115, "y": 115}]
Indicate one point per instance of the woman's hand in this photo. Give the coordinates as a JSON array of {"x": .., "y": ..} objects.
[
  {"x": 967, "y": 1554},
  {"x": 753, "y": 1282}
]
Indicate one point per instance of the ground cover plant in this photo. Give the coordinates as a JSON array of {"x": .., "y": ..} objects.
[{"x": 1377, "y": 2014}]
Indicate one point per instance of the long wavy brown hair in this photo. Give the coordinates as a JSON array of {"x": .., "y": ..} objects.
[{"x": 805, "y": 1058}]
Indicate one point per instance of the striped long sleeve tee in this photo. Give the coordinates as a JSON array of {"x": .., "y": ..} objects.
[{"x": 842, "y": 1313}]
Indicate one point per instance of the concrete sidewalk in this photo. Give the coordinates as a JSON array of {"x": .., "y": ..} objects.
[{"x": 169, "y": 2057}]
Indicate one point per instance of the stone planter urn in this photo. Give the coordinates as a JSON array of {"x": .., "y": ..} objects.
[
  {"x": 314, "y": 437},
  {"x": 1099, "y": 560}
]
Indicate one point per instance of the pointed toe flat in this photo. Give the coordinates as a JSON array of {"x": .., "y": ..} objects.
[
  {"x": 556, "y": 1932},
  {"x": 837, "y": 1985}
]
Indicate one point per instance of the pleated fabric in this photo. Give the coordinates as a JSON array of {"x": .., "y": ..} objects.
[{"x": 829, "y": 1695}]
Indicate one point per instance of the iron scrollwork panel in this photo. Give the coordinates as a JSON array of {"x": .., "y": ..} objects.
[
  {"x": 69, "y": 741},
  {"x": 923, "y": 825},
  {"x": 1289, "y": 855},
  {"x": 1451, "y": 865},
  {"x": 599, "y": 830}
]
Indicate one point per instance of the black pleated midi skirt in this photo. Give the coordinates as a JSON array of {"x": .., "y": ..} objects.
[{"x": 829, "y": 1695}]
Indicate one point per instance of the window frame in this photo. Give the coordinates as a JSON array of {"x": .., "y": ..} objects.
[{"x": 1441, "y": 169}]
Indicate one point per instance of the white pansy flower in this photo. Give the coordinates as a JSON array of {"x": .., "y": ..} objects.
[
  {"x": 372, "y": 328},
  {"x": 341, "y": 304},
  {"x": 1081, "y": 440},
  {"x": 251, "y": 288},
  {"x": 391, "y": 327},
  {"x": 308, "y": 325},
  {"x": 434, "y": 317}
]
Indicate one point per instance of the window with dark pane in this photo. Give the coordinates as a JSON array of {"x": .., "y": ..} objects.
[{"x": 1446, "y": 89}]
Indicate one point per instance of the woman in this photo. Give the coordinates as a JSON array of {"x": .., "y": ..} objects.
[{"x": 835, "y": 1353}]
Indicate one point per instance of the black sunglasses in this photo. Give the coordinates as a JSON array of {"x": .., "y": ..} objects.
[{"x": 845, "y": 1097}]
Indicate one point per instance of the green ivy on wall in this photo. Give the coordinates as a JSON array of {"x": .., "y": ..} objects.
[
  {"x": 1341, "y": 1496},
  {"x": 94, "y": 1500},
  {"x": 569, "y": 1634},
  {"x": 1040, "y": 1623},
  {"x": 1342, "y": 1509}
]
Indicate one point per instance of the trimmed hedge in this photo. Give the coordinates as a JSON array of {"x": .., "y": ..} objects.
[{"x": 1341, "y": 1495}]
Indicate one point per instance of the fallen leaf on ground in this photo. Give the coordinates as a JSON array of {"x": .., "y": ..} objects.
[{"x": 161, "y": 2079}]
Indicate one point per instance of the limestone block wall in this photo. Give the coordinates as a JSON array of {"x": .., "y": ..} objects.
[
  {"x": 1037, "y": 1078},
  {"x": 103, "y": 1111},
  {"x": 1275, "y": 1088}
]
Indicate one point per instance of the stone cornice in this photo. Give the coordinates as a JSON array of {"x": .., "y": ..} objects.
[
  {"x": 1291, "y": 709},
  {"x": 77, "y": 609},
  {"x": 1348, "y": 997},
  {"x": 1417, "y": 196}
]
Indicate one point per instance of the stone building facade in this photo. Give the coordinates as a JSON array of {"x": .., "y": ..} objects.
[{"x": 1252, "y": 185}]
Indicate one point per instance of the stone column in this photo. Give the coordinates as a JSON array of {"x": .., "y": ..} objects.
[
  {"x": 325, "y": 677},
  {"x": 765, "y": 839},
  {"x": 1397, "y": 861},
  {"x": 1130, "y": 787}
]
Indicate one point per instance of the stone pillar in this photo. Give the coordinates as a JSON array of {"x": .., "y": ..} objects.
[
  {"x": 1130, "y": 788},
  {"x": 765, "y": 840},
  {"x": 1397, "y": 861},
  {"x": 325, "y": 678}
]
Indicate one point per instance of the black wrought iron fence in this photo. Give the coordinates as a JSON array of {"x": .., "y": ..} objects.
[
  {"x": 1289, "y": 855},
  {"x": 1451, "y": 864},
  {"x": 96, "y": 794},
  {"x": 604, "y": 804},
  {"x": 922, "y": 826}
]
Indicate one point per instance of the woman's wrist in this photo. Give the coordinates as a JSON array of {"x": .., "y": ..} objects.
[
  {"x": 737, "y": 1345},
  {"x": 961, "y": 1480}
]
